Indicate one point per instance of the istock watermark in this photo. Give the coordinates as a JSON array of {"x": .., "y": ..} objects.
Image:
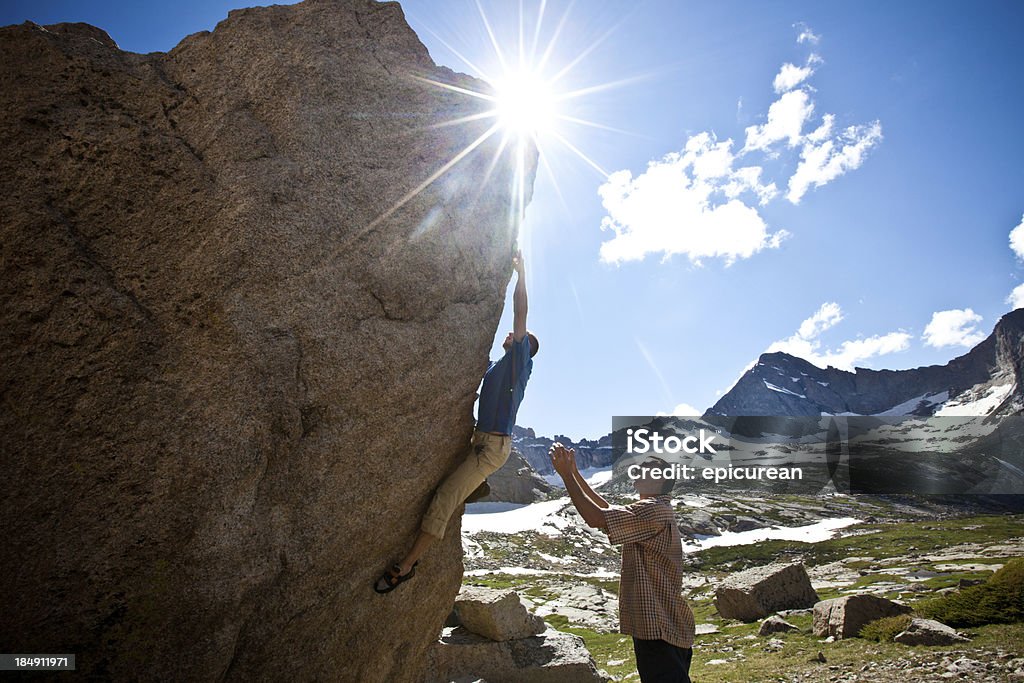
[
  {"x": 716, "y": 474},
  {"x": 827, "y": 453},
  {"x": 642, "y": 441}
]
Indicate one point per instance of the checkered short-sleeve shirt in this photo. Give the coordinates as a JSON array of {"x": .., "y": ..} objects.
[{"x": 651, "y": 605}]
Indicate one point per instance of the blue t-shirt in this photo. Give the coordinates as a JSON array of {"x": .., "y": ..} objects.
[{"x": 503, "y": 388}]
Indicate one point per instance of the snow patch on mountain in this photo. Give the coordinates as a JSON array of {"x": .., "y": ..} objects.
[
  {"x": 927, "y": 401},
  {"x": 779, "y": 389},
  {"x": 977, "y": 401}
]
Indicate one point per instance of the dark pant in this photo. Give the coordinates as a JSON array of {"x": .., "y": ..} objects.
[{"x": 661, "y": 662}]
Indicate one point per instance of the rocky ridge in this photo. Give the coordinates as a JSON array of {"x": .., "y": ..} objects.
[{"x": 985, "y": 380}]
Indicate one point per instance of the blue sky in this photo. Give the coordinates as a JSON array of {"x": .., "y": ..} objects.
[{"x": 901, "y": 119}]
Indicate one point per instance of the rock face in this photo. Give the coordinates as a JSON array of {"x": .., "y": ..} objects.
[
  {"x": 232, "y": 371},
  {"x": 758, "y": 592},
  {"x": 516, "y": 482},
  {"x": 989, "y": 378},
  {"x": 929, "y": 632},
  {"x": 496, "y": 614},
  {"x": 844, "y": 617}
]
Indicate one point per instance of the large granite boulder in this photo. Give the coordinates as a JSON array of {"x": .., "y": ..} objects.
[
  {"x": 238, "y": 352},
  {"x": 549, "y": 657},
  {"x": 760, "y": 591},
  {"x": 844, "y": 617},
  {"x": 496, "y": 614}
]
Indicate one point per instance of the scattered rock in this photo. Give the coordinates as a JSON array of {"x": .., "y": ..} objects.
[
  {"x": 929, "y": 632},
  {"x": 583, "y": 604},
  {"x": 496, "y": 614},
  {"x": 746, "y": 524},
  {"x": 775, "y": 624},
  {"x": 758, "y": 592},
  {"x": 698, "y": 523},
  {"x": 965, "y": 665},
  {"x": 548, "y": 657},
  {"x": 844, "y": 617}
]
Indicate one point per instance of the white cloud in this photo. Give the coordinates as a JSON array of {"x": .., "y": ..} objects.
[
  {"x": 805, "y": 343},
  {"x": 953, "y": 328},
  {"x": 791, "y": 75},
  {"x": 823, "y": 162},
  {"x": 749, "y": 178},
  {"x": 1016, "y": 298},
  {"x": 806, "y": 34},
  {"x": 786, "y": 118},
  {"x": 682, "y": 410},
  {"x": 1017, "y": 239},
  {"x": 686, "y": 203},
  {"x": 826, "y": 317},
  {"x": 697, "y": 202}
]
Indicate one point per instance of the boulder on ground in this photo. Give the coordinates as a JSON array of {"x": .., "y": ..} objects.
[
  {"x": 516, "y": 482},
  {"x": 929, "y": 632},
  {"x": 698, "y": 523},
  {"x": 844, "y": 617},
  {"x": 496, "y": 614},
  {"x": 775, "y": 624},
  {"x": 756, "y": 593},
  {"x": 550, "y": 657}
]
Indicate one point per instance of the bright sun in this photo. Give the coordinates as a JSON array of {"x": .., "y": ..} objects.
[
  {"x": 525, "y": 104},
  {"x": 522, "y": 106}
]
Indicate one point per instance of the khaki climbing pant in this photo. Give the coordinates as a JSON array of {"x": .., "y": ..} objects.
[{"x": 488, "y": 453}]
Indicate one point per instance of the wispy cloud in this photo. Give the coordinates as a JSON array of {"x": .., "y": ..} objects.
[
  {"x": 703, "y": 201},
  {"x": 806, "y": 35},
  {"x": 956, "y": 327},
  {"x": 791, "y": 75},
  {"x": 823, "y": 158},
  {"x": 806, "y": 344}
]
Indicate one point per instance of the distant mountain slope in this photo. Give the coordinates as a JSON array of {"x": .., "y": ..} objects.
[
  {"x": 589, "y": 453},
  {"x": 987, "y": 380}
]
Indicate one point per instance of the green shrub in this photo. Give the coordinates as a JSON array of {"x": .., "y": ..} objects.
[
  {"x": 885, "y": 629},
  {"x": 1011, "y": 574},
  {"x": 1000, "y": 600}
]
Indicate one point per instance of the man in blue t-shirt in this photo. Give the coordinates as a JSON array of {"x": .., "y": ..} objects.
[{"x": 500, "y": 395}]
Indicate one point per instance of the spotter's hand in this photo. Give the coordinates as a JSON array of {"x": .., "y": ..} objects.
[{"x": 562, "y": 459}]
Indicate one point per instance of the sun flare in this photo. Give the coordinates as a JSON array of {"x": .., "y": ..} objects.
[{"x": 525, "y": 104}]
